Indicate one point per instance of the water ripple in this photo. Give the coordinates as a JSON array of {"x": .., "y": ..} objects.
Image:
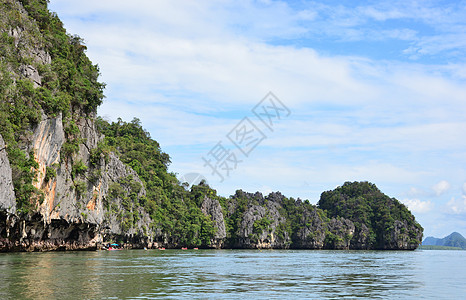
[{"x": 231, "y": 274}]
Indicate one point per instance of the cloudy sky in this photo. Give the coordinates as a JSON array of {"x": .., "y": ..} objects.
[{"x": 370, "y": 91}]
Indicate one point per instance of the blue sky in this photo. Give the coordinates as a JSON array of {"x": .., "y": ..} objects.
[{"x": 375, "y": 89}]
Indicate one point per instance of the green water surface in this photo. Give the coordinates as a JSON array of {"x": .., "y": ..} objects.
[{"x": 233, "y": 274}]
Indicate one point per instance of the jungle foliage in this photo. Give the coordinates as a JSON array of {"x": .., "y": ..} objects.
[
  {"x": 364, "y": 204},
  {"x": 174, "y": 210}
]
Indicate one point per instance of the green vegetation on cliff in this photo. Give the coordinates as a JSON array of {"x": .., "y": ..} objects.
[
  {"x": 56, "y": 77},
  {"x": 365, "y": 205},
  {"x": 175, "y": 211},
  {"x": 71, "y": 78}
]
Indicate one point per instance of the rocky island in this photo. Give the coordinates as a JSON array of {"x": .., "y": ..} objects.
[{"x": 70, "y": 180}]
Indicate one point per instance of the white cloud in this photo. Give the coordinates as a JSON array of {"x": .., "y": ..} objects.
[
  {"x": 441, "y": 187},
  {"x": 418, "y": 206},
  {"x": 181, "y": 79},
  {"x": 464, "y": 188},
  {"x": 457, "y": 206},
  {"x": 433, "y": 45},
  {"x": 286, "y": 171},
  {"x": 381, "y": 14},
  {"x": 415, "y": 192}
]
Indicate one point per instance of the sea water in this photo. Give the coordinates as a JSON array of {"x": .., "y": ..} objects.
[{"x": 234, "y": 274}]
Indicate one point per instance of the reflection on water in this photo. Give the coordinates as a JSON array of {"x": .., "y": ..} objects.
[{"x": 232, "y": 274}]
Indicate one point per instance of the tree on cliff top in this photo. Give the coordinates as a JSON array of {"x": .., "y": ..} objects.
[{"x": 364, "y": 204}]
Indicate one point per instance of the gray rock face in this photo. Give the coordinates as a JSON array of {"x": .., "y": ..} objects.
[
  {"x": 115, "y": 170},
  {"x": 313, "y": 230},
  {"x": 361, "y": 238},
  {"x": 211, "y": 207},
  {"x": 28, "y": 71},
  {"x": 47, "y": 140},
  {"x": 264, "y": 224},
  {"x": 7, "y": 195},
  {"x": 341, "y": 232},
  {"x": 400, "y": 236},
  {"x": 67, "y": 203},
  {"x": 26, "y": 43},
  {"x": 260, "y": 223},
  {"x": 67, "y": 219},
  {"x": 32, "y": 234}
]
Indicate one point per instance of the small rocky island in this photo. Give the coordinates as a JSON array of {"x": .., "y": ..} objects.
[{"x": 70, "y": 180}]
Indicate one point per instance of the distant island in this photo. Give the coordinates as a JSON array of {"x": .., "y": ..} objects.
[
  {"x": 70, "y": 180},
  {"x": 454, "y": 241}
]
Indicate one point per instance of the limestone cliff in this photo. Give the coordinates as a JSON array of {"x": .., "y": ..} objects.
[
  {"x": 258, "y": 227},
  {"x": 380, "y": 222},
  {"x": 67, "y": 217},
  {"x": 278, "y": 222},
  {"x": 70, "y": 180},
  {"x": 213, "y": 209},
  {"x": 7, "y": 195},
  {"x": 62, "y": 206}
]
